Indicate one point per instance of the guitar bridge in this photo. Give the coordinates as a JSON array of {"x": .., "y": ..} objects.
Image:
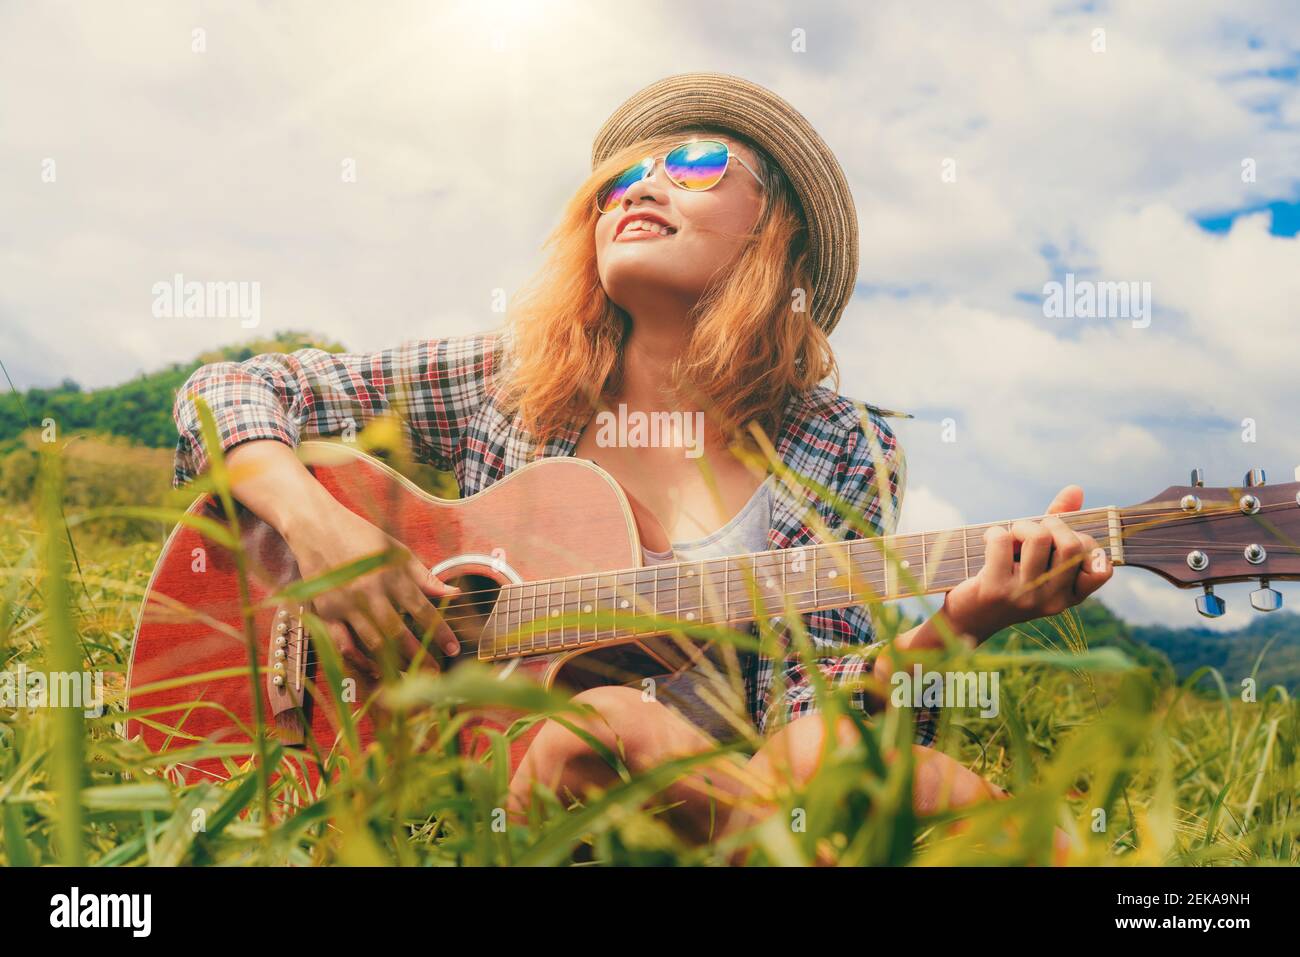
[{"x": 286, "y": 677}]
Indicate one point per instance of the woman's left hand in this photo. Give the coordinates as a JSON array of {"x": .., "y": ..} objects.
[{"x": 1058, "y": 568}]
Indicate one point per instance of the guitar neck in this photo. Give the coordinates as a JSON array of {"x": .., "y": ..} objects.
[{"x": 563, "y": 614}]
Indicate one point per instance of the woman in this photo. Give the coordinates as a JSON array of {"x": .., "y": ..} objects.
[{"x": 696, "y": 272}]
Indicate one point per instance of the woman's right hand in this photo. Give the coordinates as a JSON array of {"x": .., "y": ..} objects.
[{"x": 366, "y": 612}]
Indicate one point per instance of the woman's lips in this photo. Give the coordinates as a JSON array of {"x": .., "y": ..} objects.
[{"x": 632, "y": 235}]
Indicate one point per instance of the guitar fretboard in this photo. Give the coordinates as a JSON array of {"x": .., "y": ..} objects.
[{"x": 564, "y": 614}]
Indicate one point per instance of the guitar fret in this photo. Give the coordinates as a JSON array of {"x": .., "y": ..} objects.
[
  {"x": 785, "y": 589},
  {"x": 816, "y": 573},
  {"x": 592, "y": 602},
  {"x": 695, "y": 606},
  {"x": 561, "y": 638},
  {"x": 503, "y": 642},
  {"x": 499, "y": 641},
  {"x": 647, "y": 602},
  {"x": 521, "y": 615},
  {"x": 726, "y": 589},
  {"x": 925, "y": 567},
  {"x": 655, "y": 602},
  {"x": 625, "y": 598},
  {"x": 532, "y": 636},
  {"x": 677, "y": 598}
]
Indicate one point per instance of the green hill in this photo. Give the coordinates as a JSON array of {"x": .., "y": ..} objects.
[
  {"x": 139, "y": 410},
  {"x": 1173, "y": 654},
  {"x": 1276, "y": 636}
]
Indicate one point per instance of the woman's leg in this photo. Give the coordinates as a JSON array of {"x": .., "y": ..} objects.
[
  {"x": 793, "y": 755},
  {"x": 645, "y": 734}
]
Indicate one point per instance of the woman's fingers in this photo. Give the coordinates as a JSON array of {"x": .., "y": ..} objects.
[
  {"x": 1066, "y": 550},
  {"x": 352, "y": 653},
  {"x": 1095, "y": 570},
  {"x": 999, "y": 553},
  {"x": 1035, "y": 552},
  {"x": 367, "y": 633},
  {"x": 1068, "y": 499},
  {"x": 387, "y": 620},
  {"x": 429, "y": 583},
  {"x": 414, "y": 601}
]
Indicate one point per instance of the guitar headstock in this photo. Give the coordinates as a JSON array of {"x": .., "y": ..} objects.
[{"x": 1194, "y": 535}]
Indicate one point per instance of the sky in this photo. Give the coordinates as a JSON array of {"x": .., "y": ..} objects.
[{"x": 381, "y": 171}]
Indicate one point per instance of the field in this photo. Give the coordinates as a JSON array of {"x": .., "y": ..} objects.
[{"x": 1136, "y": 767}]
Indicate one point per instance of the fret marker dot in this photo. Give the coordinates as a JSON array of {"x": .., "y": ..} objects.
[
  {"x": 690, "y": 616},
  {"x": 768, "y": 583},
  {"x": 623, "y": 603},
  {"x": 555, "y": 613},
  {"x": 586, "y": 608},
  {"x": 690, "y": 573},
  {"x": 832, "y": 573},
  {"x": 905, "y": 563}
]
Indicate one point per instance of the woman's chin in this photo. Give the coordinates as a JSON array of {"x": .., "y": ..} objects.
[{"x": 633, "y": 282}]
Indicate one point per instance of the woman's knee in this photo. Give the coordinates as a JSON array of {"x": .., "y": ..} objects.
[
  {"x": 617, "y": 717},
  {"x": 941, "y": 783},
  {"x": 795, "y": 754}
]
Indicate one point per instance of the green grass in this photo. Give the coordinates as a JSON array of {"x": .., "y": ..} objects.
[{"x": 1136, "y": 769}]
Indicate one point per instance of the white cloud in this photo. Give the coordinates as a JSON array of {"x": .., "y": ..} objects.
[{"x": 924, "y": 510}]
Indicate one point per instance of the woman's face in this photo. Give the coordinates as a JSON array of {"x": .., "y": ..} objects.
[{"x": 694, "y": 234}]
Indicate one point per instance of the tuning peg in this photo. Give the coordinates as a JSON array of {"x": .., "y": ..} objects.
[
  {"x": 1198, "y": 478},
  {"x": 1265, "y": 598},
  {"x": 1210, "y": 605},
  {"x": 1254, "y": 477}
]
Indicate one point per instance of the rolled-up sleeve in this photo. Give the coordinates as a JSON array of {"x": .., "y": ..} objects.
[{"x": 433, "y": 385}]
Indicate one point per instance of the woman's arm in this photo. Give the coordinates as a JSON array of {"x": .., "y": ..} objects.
[
  {"x": 1057, "y": 568},
  {"x": 266, "y": 405},
  {"x": 434, "y": 386}
]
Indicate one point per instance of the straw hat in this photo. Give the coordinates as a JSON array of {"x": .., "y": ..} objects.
[{"x": 720, "y": 101}]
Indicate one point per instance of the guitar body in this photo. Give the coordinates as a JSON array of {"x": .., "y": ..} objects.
[{"x": 554, "y": 517}]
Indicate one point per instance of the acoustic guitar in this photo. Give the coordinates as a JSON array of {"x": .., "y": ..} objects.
[{"x": 550, "y": 565}]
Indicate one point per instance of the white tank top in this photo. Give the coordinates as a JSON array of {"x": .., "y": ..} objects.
[
  {"x": 707, "y": 694},
  {"x": 745, "y": 533}
]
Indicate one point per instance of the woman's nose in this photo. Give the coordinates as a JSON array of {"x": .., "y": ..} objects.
[{"x": 654, "y": 186}]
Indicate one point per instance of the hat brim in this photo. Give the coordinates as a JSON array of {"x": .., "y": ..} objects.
[{"x": 721, "y": 101}]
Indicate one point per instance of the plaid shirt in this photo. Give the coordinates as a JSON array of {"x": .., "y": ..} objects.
[{"x": 443, "y": 391}]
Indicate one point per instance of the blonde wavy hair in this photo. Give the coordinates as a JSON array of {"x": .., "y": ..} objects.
[{"x": 753, "y": 343}]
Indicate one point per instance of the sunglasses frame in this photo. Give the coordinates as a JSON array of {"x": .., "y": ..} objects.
[{"x": 654, "y": 161}]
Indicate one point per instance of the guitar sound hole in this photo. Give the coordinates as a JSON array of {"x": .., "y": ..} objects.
[{"x": 467, "y": 613}]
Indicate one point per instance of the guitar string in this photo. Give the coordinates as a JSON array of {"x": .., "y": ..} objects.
[
  {"x": 899, "y": 547},
  {"x": 539, "y": 641},
  {"x": 717, "y": 594},
  {"x": 1101, "y": 515},
  {"x": 1102, "y": 524},
  {"x": 714, "y": 598},
  {"x": 781, "y": 556}
]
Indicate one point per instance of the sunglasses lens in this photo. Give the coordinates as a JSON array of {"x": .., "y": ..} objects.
[
  {"x": 698, "y": 165},
  {"x": 612, "y": 195}
]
